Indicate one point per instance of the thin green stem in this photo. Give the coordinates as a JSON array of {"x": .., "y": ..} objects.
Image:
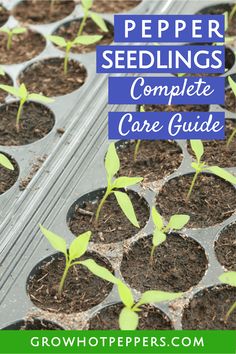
[
  {"x": 152, "y": 254},
  {"x": 62, "y": 282},
  {"x": 137, "y": 146},
  {"x": 108, "y": 191},
  {"x": 9, "y": 40},
  {"x": 18, "y": 117},
  {"x": 231, "y": 138},
  {"x": 232, "y": 308},
  {"x": 192, "y": 185},
  {"x": 81, "y": 28}
]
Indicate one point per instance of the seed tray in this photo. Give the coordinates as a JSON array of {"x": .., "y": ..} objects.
[{"x": 66, "y": 176}]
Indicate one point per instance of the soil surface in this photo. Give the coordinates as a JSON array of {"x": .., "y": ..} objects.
[
  {"x": 38, "y": 11},
  {"x": 24, "y": 47},
  {"x": 3, "y": 15},
  {"x": 82, "y": 289},
  {"x": 178, "y": 264},
  {"x": 208, "y": 308},
  {"x": 225, "y": 248},
  {"x": 114, "y": 6},
  {"x": 4, "y": 80},
  {"x": 212, "y": 201},
  {"x": 113, "y": 226},
  {"x": 34, "y": 324},
  {"x": 155, "y": 160},
  {"x": 217, "y": 152},
  {"x": 7, "y": 177},
  {"x": 47, "y": 77},
  {"x": 150, "y": 318},
  {"x": 36, "y": 122},
  {"x": 70, "y": 31},
  {"x": 230, "y": 100},
  {"x": 176, "y": 108}
]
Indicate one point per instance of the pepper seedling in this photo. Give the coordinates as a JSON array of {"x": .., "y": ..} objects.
[
  {"x": 24, "y": 96},
  {"x": 97, "y": 19},
  {"x": 232, "y": 84},
  {"x": 129, "y": 318},
  {"x": 68, "y": 45},
  {"x": 112, "y": 166},
  {"x": 77, "y": 249},
  {"x": 176, "y": 223},
  {"x": 6, "y": 163},
  {"x": 230, "y": 279},
  {"x": 200, "y": 166},
  {"x": 138, "y": 142},
  {"x": 232, "y": 13},
  {"x": 11, "y": 32}
]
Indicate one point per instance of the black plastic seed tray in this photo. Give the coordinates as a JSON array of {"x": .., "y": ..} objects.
[{"x": 74, "y": 168}]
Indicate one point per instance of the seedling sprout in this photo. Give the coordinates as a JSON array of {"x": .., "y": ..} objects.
[
  {"x": 112, "y": 166},
  {"x": 77, "y": 249},
  {"x": 11, "y": 33},
  {"x": 129, "y": 319},
  {"x": 230, "y": 279},
  {"x": 138, "y": 142},
  {"x": 176, "y": 222},
  {"x": 232, "y": 13},
  {"x": 68, "y": 45},
  {"x": 199, "y": 166},
  {"x": 6, "y": 163},
  {"x": 2, "y": 72},
  {"x": 233, "y": 87},
  {"x": 86, "y": 6},
  {"x": 24, "y": 96}
]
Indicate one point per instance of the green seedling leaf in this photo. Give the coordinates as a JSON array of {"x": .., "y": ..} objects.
[
  {"x": 232, "y": 85},
  {"x": 232, "y": 13},
  {"x": 226, "y": 15},
  {"x": 128, "y": 320},
  {"x": 157, "y": 219},
  {"x": 154, "y": 297},
  {"x": 60, "y": 41},
  {"x": 2, "y": 72},
  {"x": 40, "y": 98},
  {"x": 158, "y": 237},
  {"x": 4, "y": 30},
  {"x": 19, "y": 30},
  {"x": 99, "y": 21},
  {"x": 99, "y": 271},
  {"x": 220, "y": 172},
  {"x": 112, "y": 162},
  {"x": 87, "y": 40},
  {"x": 124, "y": 182},
  {"x": 87, "y": 4},
  {"x": 6, "y": 163},
  {"x": 125, "y": 294},
  {"x": 23, "y": 91},
  {"x": 228, "y": 278},
  {"x": 181, "y": 74},
  {"x": 127, "y": 207},
  {"x": 79, "y": 246},
  {"x": 11, "y": 90},
  {"x": 177, "y": 222},
  {"x": 198, "y": 149},
  {"x": 57, "y": 242}
]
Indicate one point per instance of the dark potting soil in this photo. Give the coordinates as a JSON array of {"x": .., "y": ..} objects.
[
  {"x": 150, "y": 318},
  {"x": 4, "y": 80},
  {"x": 7, "y": 177},
  {"x": 155, "y": 160},
  {"x": 36, "y": 122},
  {"x": 225, "y": 247},
  {"x": 208, "y": 308},
  {"x": 82, "y": 289},
  {"x": 3, "y": 15},
  {"x": 176, "y": 108},
  {"x": 38, "y": 11},
  {"x": 113, "y": 226},
  {"x": 47, "y": 77},
  {"x": 114, "y": 6},
  {"x": 24, "y": 47},
  {"x": 70, "y": 30},
  {"x": 217, "y": 152},
  {"x": 34, "y": 324},
  {"x": 230, "y": 100},
  {"x": 178, "y": 264},
  {"x": 212, "y": 201}
]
